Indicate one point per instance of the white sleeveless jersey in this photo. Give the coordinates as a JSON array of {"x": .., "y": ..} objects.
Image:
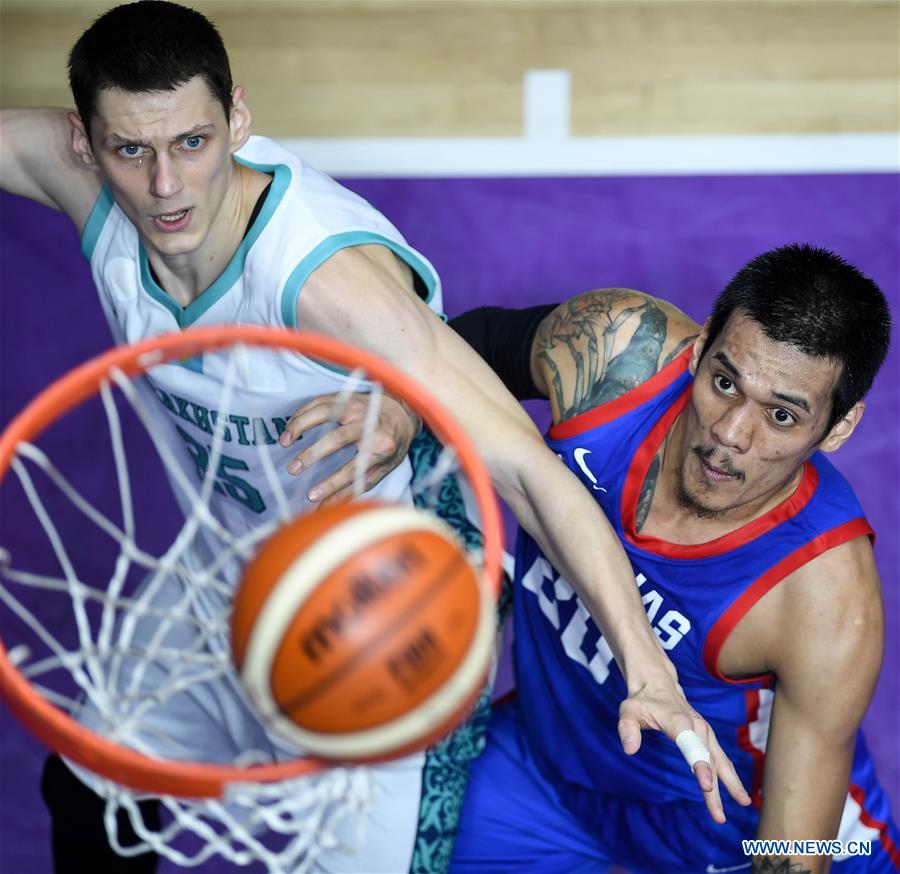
[{"x": 305, "y": 218}]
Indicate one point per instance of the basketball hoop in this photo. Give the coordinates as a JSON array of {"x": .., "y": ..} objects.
[{"x": 47, "y": 681}]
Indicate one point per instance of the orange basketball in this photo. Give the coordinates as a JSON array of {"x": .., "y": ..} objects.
[{"x": 362, "y": 631}]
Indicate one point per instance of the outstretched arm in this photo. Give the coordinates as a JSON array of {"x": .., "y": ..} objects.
[
  {"x": 359, "y": 296},
  {"x": 502, "y": 337}
]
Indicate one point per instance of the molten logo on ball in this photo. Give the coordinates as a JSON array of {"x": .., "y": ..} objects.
[
  {"x": 364, "y": 589},
  {"x": 417, "y": 661},
  {"x": 362, "y": 631}
]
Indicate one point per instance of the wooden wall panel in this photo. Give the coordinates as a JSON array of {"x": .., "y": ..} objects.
[{"x": 455, "y": 67}]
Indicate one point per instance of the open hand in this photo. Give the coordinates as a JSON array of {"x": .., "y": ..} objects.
[
  {"x": 385, "y": 448},
  {"x": 661, "y": 705}
]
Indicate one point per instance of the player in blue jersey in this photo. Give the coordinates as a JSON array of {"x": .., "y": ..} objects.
[
  {"x": 187, "y": 219},
  {"x": 705, "y": 447}
]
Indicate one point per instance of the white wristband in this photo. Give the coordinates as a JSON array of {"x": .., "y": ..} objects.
[{"x": 692, "y": 748}]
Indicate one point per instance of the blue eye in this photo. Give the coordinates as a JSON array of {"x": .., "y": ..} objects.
[
  {"x": 193, "y": 143},
  {"x": 131, "y": 150}
]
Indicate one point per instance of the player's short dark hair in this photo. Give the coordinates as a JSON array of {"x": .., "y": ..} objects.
[
  {"x": 151, "y": 45},
  {"x": 812, "y": 299}
]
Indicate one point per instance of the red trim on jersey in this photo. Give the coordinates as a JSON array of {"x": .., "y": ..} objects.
[
  {"x": 625, "y": 403},
  {"x": 739, "y": 608},
  {"x": 744, "y": 742},
  {"x": 892, "y": 850}
]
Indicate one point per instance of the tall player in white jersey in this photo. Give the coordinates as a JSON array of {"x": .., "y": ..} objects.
[
  {"x": 187, "y": 220},
  {"x": 300, "y": 220}
]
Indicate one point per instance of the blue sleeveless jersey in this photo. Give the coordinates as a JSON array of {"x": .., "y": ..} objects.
[{"x": 570, "y": 687}]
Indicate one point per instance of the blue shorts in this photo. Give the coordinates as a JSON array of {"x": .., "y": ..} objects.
[{"x": 514, "y": 819}]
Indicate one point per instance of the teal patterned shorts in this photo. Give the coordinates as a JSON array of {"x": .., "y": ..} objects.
[{"x": 446, "y": 770}]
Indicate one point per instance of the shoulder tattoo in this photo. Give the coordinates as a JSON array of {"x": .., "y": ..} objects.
[
  {"x": 585, "y": 329},
  {"x": 687, "y": 341}
]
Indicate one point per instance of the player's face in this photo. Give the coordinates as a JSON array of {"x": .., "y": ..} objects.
[
  {"x": 758, "y": 410},
  {"x": 166, "y": 156}
]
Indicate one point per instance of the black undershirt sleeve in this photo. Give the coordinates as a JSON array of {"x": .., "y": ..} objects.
[{"x": 503, "y": 338}]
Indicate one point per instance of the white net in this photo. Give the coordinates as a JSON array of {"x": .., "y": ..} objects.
[
  {"x": 287, "y": 826},
  {"x": 132, "y": 638}
]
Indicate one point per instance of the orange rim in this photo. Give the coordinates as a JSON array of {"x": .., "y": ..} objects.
[{"x": 57, "y": 729}]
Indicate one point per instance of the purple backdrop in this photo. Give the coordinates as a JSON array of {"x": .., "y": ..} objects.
[{"x": 515, "y": 242}]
